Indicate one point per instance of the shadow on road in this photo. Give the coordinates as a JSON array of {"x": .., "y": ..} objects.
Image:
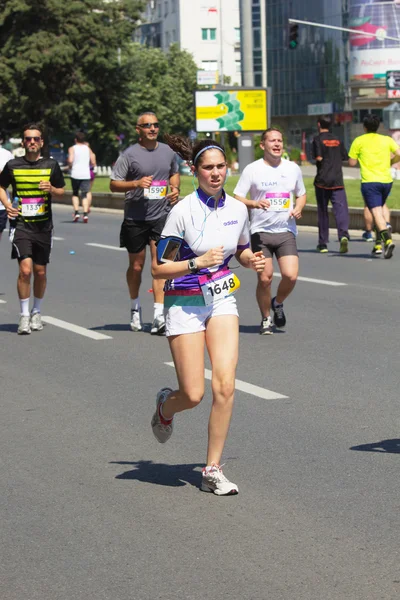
[
  {"x": 161, "y": 474},
  {"x": 120, "y": 327},
  {"x": 390, "y": 446},
  {"x": 11, "y": 327}
]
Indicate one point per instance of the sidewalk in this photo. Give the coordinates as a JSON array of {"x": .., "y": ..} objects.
[{"x": 348, "y": 172}]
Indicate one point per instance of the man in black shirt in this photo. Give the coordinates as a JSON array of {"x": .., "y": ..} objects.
[
  {"x": 34, "y": 180},
  {"x": 329, "y": 153}
]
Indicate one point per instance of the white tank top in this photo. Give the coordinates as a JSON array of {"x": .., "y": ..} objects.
[{"x": 80, "y": 166}]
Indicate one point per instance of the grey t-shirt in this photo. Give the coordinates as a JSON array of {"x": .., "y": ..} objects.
[{"x": 137, "y": 162}]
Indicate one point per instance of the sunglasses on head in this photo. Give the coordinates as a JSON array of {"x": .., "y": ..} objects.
[
  {"x": 35, "y": 138},
  {"x": 148, "y": 125}
]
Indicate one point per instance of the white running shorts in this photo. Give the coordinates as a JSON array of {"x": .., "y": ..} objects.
[{"x": 192, "y": 319}]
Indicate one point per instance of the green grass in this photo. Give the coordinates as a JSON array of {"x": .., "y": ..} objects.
[{"x": 101, "y": 184}]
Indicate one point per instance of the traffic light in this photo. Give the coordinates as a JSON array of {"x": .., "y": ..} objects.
[{"x": 293, "y": 36}]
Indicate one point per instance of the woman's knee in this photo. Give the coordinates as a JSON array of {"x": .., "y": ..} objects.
[
  {"x": 223, "y": 389},
  {"x": 192, "y": 398}
]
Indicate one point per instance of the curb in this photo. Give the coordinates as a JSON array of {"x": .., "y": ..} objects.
[{"x": 116, "y": 201}]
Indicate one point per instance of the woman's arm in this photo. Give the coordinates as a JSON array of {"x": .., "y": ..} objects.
[
  {"x": 172, "y": 270},
  {"x": 251, "y": 260}
]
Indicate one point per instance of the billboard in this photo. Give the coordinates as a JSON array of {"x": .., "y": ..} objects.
[
  {"x": 371, "y": 57},
  {"x": 235, "y": 109}
]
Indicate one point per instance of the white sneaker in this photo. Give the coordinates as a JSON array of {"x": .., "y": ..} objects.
[
  {"x": 158, "y": 326},
  {"x": 136, "y": 320},
  {"x": 215, "y": 481},
  {"x": 36, "y": 322},
  {"x": 24, "y": 325},
  {"x": 162, "y": 429},
  {"x": 266, "y": 326}
]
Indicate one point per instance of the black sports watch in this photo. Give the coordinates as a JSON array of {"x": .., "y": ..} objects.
[{"x": 192, "y": 266}]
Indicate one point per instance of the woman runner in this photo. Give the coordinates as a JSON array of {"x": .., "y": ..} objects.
[{"x": 200, "y": 305}]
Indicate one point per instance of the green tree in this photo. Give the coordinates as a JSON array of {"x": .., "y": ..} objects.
[
  {"x": 163, "y": 83},
  {"x": 60, "y": 62}
]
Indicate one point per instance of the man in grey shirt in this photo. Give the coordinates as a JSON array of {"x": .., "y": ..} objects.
[{"x": 144, "y": 171}]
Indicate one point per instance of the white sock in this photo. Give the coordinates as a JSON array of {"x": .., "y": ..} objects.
[
  {"x": 135, "y": 303},
  {"x": 24, "y": 307},
  {"x": 158, "y": 310},
  {"x": 36, "y": 305}
]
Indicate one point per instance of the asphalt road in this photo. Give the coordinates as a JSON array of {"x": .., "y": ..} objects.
[{"x": 93, "y": 508}]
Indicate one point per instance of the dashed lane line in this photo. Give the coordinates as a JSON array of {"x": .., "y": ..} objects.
[
  {"x": 321, "y": 281},
  {"x": 249, "y": 388},
  {"x": 105, "y": 246},
  {"x": 93, "y": 335}
]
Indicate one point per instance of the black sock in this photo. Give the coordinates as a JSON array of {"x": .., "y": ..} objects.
[
  {"x": 85, "y": 214},
  {"x": 384, "y": 235},
  {"x": 77, "y": 212}
]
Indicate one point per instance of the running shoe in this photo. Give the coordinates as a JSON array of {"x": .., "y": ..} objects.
[
  {"x": 136, "y": 320},
  {"x": 215, "y": 481},
  {"x": 389, "y": 247},
  {"x": 162, "y": 428},
  {"x": 36, "y": 322},
  {"x": 266, "y": 326},
  {"x": 85, "y": 218},
  {"x": 75, "y": 217},
  {"x": 24, "y": 325},
  {"x": 377, "y": 249},
  {"x": 344, "y": 245},
  {"x": 322, "y": 248},
  {"x": 158, "y": 326},
  {"x": 367, "y": 236},
  {"x": 279, "y": 315}
]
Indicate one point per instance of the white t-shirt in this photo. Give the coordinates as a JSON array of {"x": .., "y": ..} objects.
[
  {"x": 203, "y": 226},
  {"x": 5, "y": 156},
  {"x": 81, "y": 164},
  {"x": 277, "y": 184}
]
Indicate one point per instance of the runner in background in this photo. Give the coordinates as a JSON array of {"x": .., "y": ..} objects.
[
  {"x": 5, "y": 156},
  {"x": 144, "y": 172},
  {"x": 277, "y": 198},
  {"x": 80, "y": 157}
]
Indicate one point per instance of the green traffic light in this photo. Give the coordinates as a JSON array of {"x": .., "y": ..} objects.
[{"x": 293, "y": 44}]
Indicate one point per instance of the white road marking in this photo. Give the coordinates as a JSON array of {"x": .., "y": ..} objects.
[
  {"x": 321, "y": 281},
  {"x": 94, "y": 335},
  {"x": 58, "y": 239},
  {"x": 249, "y": 388},
  {"x": 3, "y": 301},
  {"x": 106, "y": 247}
]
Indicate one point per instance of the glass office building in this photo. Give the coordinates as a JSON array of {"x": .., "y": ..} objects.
[{"x": 315, "y": 71}]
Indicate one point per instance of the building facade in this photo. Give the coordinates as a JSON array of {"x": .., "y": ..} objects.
[
  {"x": 329, "y": 71},
  {"x": 208, "y": 29}
]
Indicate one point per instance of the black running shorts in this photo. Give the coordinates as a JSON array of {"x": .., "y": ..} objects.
[
  {"x": 136, "y": 235},
  {"x": 80, "y": 185},
  {"x": 280, "y": 244},
  {"x": 34, "y": 245},
  {"x": 3, "y": 220}
]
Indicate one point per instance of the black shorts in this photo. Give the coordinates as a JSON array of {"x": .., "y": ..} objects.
[
  {"x": 3, "y": 220},
  {"x": 136, "y": 235},
  {"x": 280, "y": 244},
  {"x": 34, "y": 245},
  {"x": 80, "y": 185}
]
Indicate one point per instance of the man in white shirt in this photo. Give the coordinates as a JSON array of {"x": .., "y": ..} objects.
[
  {"x": 5, "y": 156},
  {"x": 80, "y": 158},
  {"x": 277, "y": 198}
]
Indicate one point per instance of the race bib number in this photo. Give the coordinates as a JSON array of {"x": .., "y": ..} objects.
[
  {"x": 218, "y": 286},
  {"x": 157, "y": 190},
  {"x": 280, "y": 202},
  {"x": 32, "y": 207}
]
